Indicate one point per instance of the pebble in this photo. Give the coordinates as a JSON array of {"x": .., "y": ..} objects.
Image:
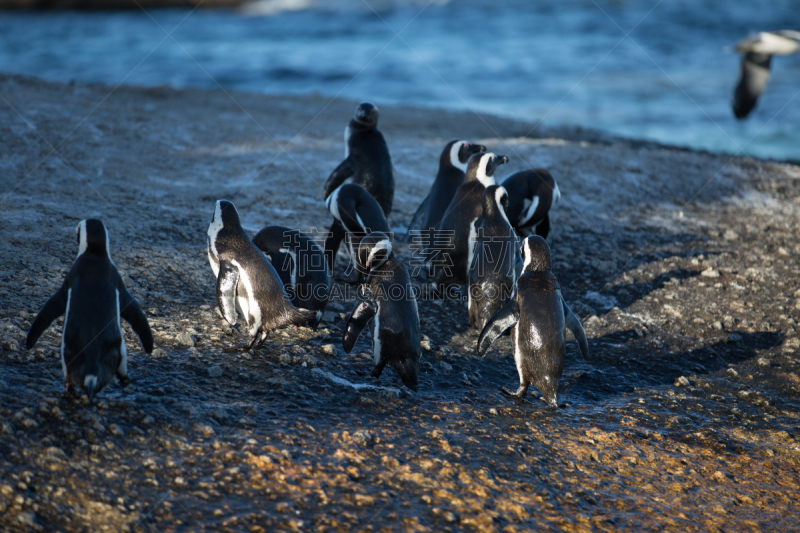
[
  {"x": 184, "y": 339},
  {"x": 732, "y": 373},
  {"x": 215, "y": 371},
  {"x": 148, "y": 420},
  {"x": 682, "y": 382},
  {"x": 329, "y": 349},
  {"x": 710, "y": 273},
  {"x": 763, "y": 361},
  {"x": 158, "y": 353},
  {"x": 717, "y": 325},
  {"x": 426, "y": 343},
  {"x": 734, "y": 337},
  {"x": 730, "y": 235},
  {"x": 116, "y": 430}
]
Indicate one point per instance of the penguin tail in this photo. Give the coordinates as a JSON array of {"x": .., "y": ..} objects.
[
  {"x": 303, "y": 317},
  {"x": 90, "y": 384}
]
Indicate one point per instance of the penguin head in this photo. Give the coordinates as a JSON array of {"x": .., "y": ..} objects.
[
  {"x": 374, "y": 251},
  {"x": 457, "y": 152},
  {"x": 535, "y": 254},
  {"x": 366, "y": 115},
  {"x": 548, "y": 386},
  {"x": 495, "y": 200},
  {"x": 225, "y": 215},
  {"x": 92, "y": 237},
  {"x": 481, "y": 167}
]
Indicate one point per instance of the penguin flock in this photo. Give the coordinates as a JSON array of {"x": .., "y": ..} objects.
[{"x": 470, "y": 232}]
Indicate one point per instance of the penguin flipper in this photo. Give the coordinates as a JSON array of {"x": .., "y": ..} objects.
[
  {"x": 505, "y": 318},
  {"x": 416, "y": 220},
  {"x": 358, "y": 320},
  {"x": 130, "y": 310},
  {"x": 345, "y": 169},
  {"x": 574, "y": 325},
  {"x": 54, "y": 308},
  {"x": 227, "y": 281}
]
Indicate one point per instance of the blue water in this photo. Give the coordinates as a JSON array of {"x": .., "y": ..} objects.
[{"x": 567, "y": 62}]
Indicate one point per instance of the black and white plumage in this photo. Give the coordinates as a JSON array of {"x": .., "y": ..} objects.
[
  {"x": 301, "y": 265},
  {"x": 355, "y": 214},
  {"x": 449, "y": 253},
  {"x": 246, "y": 281},
  {"x": 92, "y": 299},
  {"x": 757, "y": 50},
  {"x": 538, "y": 317},
  {"x": 366, "y": 159},
  {"x": 531, "y": 195},
  {"x": 451, "y": 174},
  {"x": 389, "y": 302},
  {"x": 491, "y": 273}
]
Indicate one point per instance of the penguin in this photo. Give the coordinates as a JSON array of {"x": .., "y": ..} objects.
[
  {"x": 355, "y": 214},
  {"x": 246, "y": 281},
  {"x": 449, "y": 252},
  {"x": 531, "y": 195},
  {"x": 491, "y": 273},
  {"x": 538, "y": 317},
  {"x": 92, "y": 300},
  {"x": 366, "y": 159},
  {"x": 301, "y": 266},
  {"x": 388, "y": 300},
  {"x": 452, "y": 171},
  {"x": 757, "y": 51}
]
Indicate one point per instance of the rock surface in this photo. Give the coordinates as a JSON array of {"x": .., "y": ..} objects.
[{"x": 275, "y": 444}]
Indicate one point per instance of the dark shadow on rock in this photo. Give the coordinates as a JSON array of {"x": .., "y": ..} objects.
[{"x": 621, "y": 370}]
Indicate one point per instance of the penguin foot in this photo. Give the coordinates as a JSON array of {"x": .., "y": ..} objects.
[
  {"x": 69, "y": 392},
  {"x": 520, "y": 394},
  {"x": 123, "y": 380},
  {"x": 238, "y": 349}
]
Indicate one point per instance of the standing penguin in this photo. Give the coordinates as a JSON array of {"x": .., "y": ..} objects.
[
  {"x": 366, "y": 159},
  {"x": 531, "y": 193},
  {"x": 539, "y": 317},
  {"x": 301, "y": 265},
  {"x": 246, "y": 281},
  {"x": 450, "y": 250},
  {"x": 452, "y": 170},
  {"x": 355, "y": 214},
  {"x": 491, "y": 273},
  {"x": 390, "y": 303},
  {"x": 92, "y": 300}
]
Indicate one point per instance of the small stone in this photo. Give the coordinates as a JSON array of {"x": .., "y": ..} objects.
[
  {"x": 447, "y": 367},
  {"x": 329, "y": 349},
  {"x": 185, "y": 339},
  {"x": 180, "y": 481},
  {"x": 215, "y": 371},
  {"x": 310, "y": 360},
  {"x": 493, "y": 411},
  {"x": 285, "y": 359},
  {"x": 717, "y": 325},
  {"x": 730, "y": 235},
  {"x": 219, "y": 414},
  {"x": 718, "y": 476},
  {"x": 732, "y": 373},
  {"x": 158, "y": 353},
  {"x": 734, "y": 337},
  {"x": 426, "y": 343},
  {"x": 682, "y": 382},
  {"x": 710, "y": 273},
  {"x": 728, "y": 322},
  {"x": 116, "y": 430},
  {"x": 206, "y": 430},
  {"x": 763, "y": 361}
]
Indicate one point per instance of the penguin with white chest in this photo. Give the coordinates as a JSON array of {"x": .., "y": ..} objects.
[
  {"x": 450, "y": 252},
  {"x": 390, "y": 303},
  {"x": 246, "y": 281},
  {"x": 531, "y": 195},
  {"x": 301, "y": 265},
  {"x": 355, "y": 214},
  {"x": 491, "y": 273},
  {"x": 538, "y": 317},
  {"x": 452, "y": 171},
  {"x": 366, "y": 159},
  {"x": 92, "y": 299}
]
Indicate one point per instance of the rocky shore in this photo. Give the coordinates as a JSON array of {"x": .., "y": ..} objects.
[{"x": 683, "y": 267}]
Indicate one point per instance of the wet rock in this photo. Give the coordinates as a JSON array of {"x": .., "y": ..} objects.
[
  {"x": 214, "y": 371},
  {"x": 158, "y": 353},
  {"x": 310, "y": 360},
  {"x": 447, "y": 367},
  {"x": 734, "y": 337},
  {"x": 115, "y": 430},
  {"x": 219, "y": 414},
  {"x": 185, "y": 339},
  {"x": 148, "y": 420}
]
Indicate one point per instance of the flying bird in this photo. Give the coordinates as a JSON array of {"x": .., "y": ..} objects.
[{"x": 757, "y": 50}]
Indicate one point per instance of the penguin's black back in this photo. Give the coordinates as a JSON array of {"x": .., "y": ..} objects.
[
  {"x": 360, "y": 211},
  {"x": 374, "y": 165},
  {"x": 526, "y": 184}
]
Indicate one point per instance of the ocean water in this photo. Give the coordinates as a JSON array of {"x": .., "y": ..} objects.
[{"x": 645, "y": 69}]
